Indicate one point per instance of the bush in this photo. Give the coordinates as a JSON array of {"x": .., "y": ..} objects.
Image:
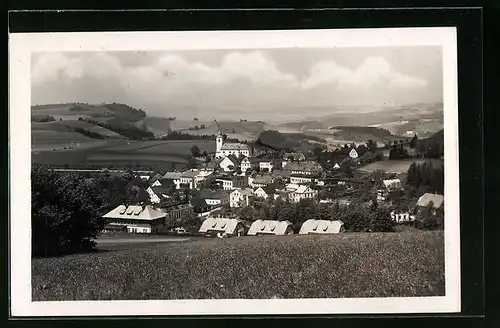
[{"x": 65, "y": 212}]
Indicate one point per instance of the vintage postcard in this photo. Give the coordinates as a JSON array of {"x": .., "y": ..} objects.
[{"x": 234, "y": 172}]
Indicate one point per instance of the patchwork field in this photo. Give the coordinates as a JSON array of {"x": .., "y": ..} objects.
[
  {"x": 395, "y": 166},
  {"x": 160, "y": 154},
  {"x": 330, "y": 266}
]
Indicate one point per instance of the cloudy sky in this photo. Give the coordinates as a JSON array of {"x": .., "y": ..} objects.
[{"x": 240, "y": 83}]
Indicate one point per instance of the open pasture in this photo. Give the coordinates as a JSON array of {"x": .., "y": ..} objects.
[
  {"x": 396, "y": 166},
  {"x": 328, "y": 266}
]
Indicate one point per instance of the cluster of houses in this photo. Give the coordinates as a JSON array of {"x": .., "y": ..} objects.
[{"x": 232, "y": 178}]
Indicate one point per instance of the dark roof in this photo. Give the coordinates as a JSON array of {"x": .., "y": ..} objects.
[
  {"x": 281, "y": 173},
  {"x": 160, "y": 189},
  {"x": 303, "y": 166},
  {"x": 234, "y": 159}
]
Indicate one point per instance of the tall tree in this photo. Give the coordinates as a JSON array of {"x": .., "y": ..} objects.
[
  {"x": 195, "y": 151},
  {"x": 66, "y": 212}
]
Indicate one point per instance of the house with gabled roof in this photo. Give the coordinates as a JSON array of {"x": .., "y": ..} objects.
[
  {"x": 248, "y": 163},
  {"x": 302, "y": 192},
  {"x": 426, "y": 199},
  {"x": 222, "y": 226},
  {"x": 136, "y": 218},
  {"x": 308, "y": 168},
  {"x": 388, "y": 186},
  {"x": 270, "y": 227},
  {"x": 159, "y": 193},
  {"x": 240, "y": 197},
  {"x": 266, "y": 192},
  {"x": 353, "y": 153},
  {"x": 321, "y": 227},
  {"x": 230, "y": 163}
]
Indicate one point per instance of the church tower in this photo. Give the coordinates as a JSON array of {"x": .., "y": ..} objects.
[{"x": 219, "y": 139}]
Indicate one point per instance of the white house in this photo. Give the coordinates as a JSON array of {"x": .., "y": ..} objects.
[
  {"x": 188, "y": 179},
  {"x": 226, "y": 226},
  {"x": 321, "y": 227},
  {"x": 300, "y": 179},
  {"x": 266, "y": 165},
  {"x": 233, "y": 182},
  {"x": 266, "y": 192},
  {"x": 175, "y": 177},
  {"x": 224, "y": 149},
  {"x": 240, "y": 197},
  {"x": 353, "y": 153},
  {"x": 336, "y": 166},
  {"x": 270, "y": 227},
  {"x": 157, "y": 183},
  {"x": 246, "y": 164},
  {"x": 402, "y": 217},
  {"x": 387, "y": 186},
  {"x": 157, "y": 194},
  {"x": 260, "y": 180},
  {"x": 427, "y": 198},
  {"x": 303, "y": 192},
  {"x": 136, "y": 218},
  {"x": 229, "y": 163}
]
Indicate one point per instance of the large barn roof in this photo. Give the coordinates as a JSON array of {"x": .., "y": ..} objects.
[
  {"x": 135, "y": 212},
  {"x": 269, "y": 227},
  {"x": 436, "y": 199},
  {"x": 234, "y": 146},
  {"x": 321, "y": 227},
  {"x": 219, "y": 225}
]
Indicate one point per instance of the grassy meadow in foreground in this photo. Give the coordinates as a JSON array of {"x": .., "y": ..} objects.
[{"x": 328, "y": 266}]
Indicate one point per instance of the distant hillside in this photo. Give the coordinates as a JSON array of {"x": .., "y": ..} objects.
[
  {"x": 159, "y": 126},
  {"x": 289, "y": 141},
  {"x": 432, "y": 147},
  {"x": 114, "y": 110},
  {"x": 372, "y": 116},
  {"x": 361, "y": 133}
]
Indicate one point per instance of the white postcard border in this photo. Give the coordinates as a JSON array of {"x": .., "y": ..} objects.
[{"x": 22, "y": 45}]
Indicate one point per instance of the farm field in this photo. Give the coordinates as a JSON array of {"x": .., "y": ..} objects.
[
  {"x": 395, "y": 166},
  {"x": 69, "y": 125},
  {"x": 161, "y": 154},
  {"x": 329, "y": 266}
]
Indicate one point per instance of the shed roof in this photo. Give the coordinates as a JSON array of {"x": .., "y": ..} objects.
[
  {"x": 269, "y": 227},
  {"x": 320, "y": 227},
  {"x": 220, "y": 225},
  {"x": 190, "y": 174},
  {"x": 426, "y": 198},
  {"x": 135, "y": 212}
]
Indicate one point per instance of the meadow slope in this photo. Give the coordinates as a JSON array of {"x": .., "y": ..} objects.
[{"x": 330, "y": 266}]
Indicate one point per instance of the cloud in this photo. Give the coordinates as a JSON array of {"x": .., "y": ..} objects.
[{"x": 249, "y": 82}]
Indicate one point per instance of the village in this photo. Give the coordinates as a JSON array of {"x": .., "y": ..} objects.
[{"x": 238, "y": 190}]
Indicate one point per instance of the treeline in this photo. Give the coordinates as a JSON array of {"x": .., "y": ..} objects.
[
  {"x": 126, "y": 112},
  {"x": 42, "y": 119},
  {"x": 356, "y": 130},
  {"x": 125, "y": 129},
  {"x": 90, "y": 134},
  {"x": 356, "y": 217},
  {"x": 426, "y": 175},
  {"x": 67, "y": 208},
  {"x": 122, "y": 111},
  {"x": 175, "y": 135}
]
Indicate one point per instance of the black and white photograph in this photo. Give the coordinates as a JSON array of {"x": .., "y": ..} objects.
[{"x": 256, "y": 172}]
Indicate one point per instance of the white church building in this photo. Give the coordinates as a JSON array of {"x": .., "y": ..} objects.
[{"x": 224, "y": 149}]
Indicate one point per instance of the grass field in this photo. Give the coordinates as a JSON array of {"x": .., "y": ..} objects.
[
  {"x": 329, "y": 266},
  {"x": 161, "y": 154},
  {"x": 395, "y": 166}
]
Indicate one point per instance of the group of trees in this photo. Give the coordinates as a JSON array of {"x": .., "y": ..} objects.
[
  {"x": 427, "y": 176},
  {"x": 42, "y": 119},
  {"x": 356, "y": 217},
  {"x": 89, "y": 134},
  {"x": 124, "y": 128},
  {"x": 197, "y": 127},
  {"x": 67, "y": 208}
]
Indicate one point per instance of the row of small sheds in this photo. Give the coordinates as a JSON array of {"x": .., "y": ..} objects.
[{"x": 235, "y": 227}]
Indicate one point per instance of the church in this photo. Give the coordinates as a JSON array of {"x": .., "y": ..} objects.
[{"x": 223, "y": 149}]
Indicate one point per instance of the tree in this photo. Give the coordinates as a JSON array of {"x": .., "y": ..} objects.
[
  {"x": 348, "y": 172},
  {"x": 195, "y": 151},
  {"x": 413, "y": 142},
  {"x": 371, "y": 145},
  {"x": 66, "y": 212}
]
